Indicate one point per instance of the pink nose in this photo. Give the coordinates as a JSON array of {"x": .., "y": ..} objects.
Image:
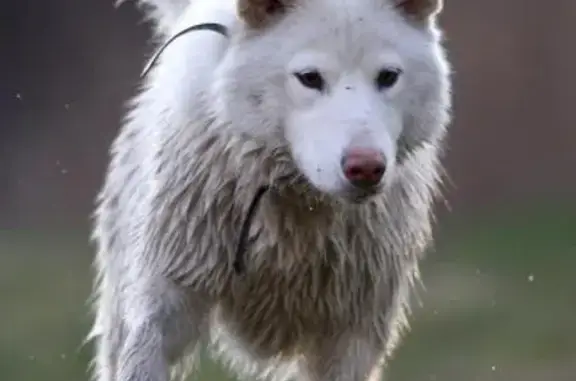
[{"x": 363, "y": 167}]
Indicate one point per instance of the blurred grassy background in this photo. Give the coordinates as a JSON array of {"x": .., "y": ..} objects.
[
  {"x": 501, "y": 297},
  {"x": 499, "y": 305}
]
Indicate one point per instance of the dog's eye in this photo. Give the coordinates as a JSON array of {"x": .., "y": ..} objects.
[
  {"x": 387, "y": 78},
  {"x": 311, "y": 79}
]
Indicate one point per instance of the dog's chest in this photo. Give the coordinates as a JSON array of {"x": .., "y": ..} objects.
[
  {"x": 280, "y": 311},
  {"x": 308, "y": 276}
]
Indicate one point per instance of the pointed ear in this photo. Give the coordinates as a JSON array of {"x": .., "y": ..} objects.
[
  {"x": 257, "y": 13},
  {"x": 419, "y": 9}
]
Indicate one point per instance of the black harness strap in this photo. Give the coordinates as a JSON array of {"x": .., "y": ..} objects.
[
  {"x": 238, "y": 264},
  {"x": 211, "y": 26}
]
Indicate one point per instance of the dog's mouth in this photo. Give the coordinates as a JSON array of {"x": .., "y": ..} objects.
[{"x": 360, "y": 196}]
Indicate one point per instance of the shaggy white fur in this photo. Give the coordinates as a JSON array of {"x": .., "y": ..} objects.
[{"x": 282, "y": 102}]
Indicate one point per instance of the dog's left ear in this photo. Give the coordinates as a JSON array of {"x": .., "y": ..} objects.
[
  {"x": 257, "y": 13},
  {"x": 419, "y": 9}
]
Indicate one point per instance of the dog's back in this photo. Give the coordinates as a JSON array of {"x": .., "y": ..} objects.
[{"x": 329, "y": 265}]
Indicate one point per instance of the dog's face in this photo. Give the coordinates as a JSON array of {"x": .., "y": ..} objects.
[{"x": 351, "y": 87}]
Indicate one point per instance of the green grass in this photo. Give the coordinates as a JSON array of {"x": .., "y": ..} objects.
[
  {"x": 509, "y": 309},
  {"x": 499, "y": 304}
]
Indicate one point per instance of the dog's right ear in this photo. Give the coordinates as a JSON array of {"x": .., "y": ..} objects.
[{"x": 257, "y": 13}]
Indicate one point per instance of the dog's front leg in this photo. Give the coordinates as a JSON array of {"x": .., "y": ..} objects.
[
  {"x": 351, "y": 357},
  {"x": 142, "y": 357},
  {"x": 161, "y": 324}
]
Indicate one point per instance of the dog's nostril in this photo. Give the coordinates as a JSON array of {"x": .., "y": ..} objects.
[
  {"x": 354, "y": 171},
  {"x": 378, "y": 171},
  {"x": 363, "y": 168}
]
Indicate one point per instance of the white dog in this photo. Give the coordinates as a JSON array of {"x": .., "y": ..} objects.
[{"x": 270, "y": 193}]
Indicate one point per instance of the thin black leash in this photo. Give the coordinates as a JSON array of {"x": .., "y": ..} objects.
[
  {"x": 238, "y": 263},
  {"x": 212, "y": 26}
]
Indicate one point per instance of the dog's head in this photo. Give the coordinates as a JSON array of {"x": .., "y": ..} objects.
[{"x": 351, "y": 87}]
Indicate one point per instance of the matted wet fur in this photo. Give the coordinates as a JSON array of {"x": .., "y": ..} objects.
[{"x": 325, "y": 293}]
